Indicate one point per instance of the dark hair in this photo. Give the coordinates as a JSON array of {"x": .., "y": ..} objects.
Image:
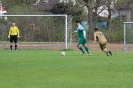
[
  {"x": 78, "y": 21},
  {"x": 96, "y": 29}
]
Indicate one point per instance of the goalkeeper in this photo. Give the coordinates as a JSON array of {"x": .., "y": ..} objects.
[
  {"x": 98, "y": 35},
  {"x": 13, "y": 35}
]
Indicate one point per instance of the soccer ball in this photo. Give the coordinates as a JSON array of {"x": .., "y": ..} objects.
[{"x": 63, "y": 53}]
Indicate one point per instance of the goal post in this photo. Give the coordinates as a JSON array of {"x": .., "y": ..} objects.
[
  {"x": 128, "y": 36},
  {"x": 63, "y": 17}
]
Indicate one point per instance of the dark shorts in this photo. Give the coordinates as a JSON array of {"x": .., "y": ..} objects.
[{"x": 13, "y": 38}]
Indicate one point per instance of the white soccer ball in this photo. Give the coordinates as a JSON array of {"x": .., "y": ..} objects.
[{"x": 63, "y": 53}]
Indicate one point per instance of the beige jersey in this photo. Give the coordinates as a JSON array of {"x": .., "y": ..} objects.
[{"x": 100, "y": 36}]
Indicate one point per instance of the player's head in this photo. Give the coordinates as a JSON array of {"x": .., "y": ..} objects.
[
  {"x": 77, "y": 23},
  {"x": 95, "y": 29},
  {"x": 13, "y": 24}
]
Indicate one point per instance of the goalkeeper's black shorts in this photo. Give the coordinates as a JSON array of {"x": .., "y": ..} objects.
[{"x": 13, "y": 38}]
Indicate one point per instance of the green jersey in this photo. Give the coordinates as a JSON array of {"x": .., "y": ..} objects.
[{"x": 81, "y": 32}]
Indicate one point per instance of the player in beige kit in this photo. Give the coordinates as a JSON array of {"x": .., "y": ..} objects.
[{"x": 98, "y": 35}]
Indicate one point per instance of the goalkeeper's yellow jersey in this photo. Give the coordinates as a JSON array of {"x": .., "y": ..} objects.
[{"x": 14, "y": 30}]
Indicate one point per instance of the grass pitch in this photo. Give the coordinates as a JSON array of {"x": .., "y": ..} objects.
[{"x": 48, "y": 69}]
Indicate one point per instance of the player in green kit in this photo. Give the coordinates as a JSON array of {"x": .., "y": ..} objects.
[{"x": 82, "y": 38}]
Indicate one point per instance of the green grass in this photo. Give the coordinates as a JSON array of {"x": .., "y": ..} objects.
[{"x": 48, "y": 69}]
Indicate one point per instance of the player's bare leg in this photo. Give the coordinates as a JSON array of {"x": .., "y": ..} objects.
[
  {"x": 80, "y": 48},
  {"x": 106, "y": 51}
]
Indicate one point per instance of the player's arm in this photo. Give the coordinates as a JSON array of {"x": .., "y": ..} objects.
[
  {"x": 18, "y": 32},
  {"x": 84, "y": 34},
  {"x": 95, "y": 39},
  {"x": 9, "y": 33},
  {"x": 75, "y": 31}
]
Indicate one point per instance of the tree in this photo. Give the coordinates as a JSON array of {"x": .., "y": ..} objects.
[
  {"x": 90, "y": 8},
  {"x": 109, "y": 16},
  {"x": 125, "y": 4},
  {"x": 93, "y": 11},
  {"x": 110, "y": 5},
  {"x": 89, "y": 5},
  {"x": 66, "y": 8},
  {"x": 93, "y": 7},
  {"x": 98, "y": 7},
  {"x": 10, "y": 3}
]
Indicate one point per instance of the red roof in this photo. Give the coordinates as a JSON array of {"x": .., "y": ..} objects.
[{"x": 3, "y": 10}]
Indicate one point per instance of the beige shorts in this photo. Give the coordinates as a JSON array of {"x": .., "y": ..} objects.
[{"x": 103, "y": 46}]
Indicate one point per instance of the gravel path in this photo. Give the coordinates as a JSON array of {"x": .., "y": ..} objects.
[{"x": 92, "y": 47}]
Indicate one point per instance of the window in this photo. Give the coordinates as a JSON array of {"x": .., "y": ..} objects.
[
  {"x": 45, "y": 1},
  {"x": 65, "y": 1}
]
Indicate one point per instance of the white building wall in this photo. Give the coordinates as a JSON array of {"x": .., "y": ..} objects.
[
  {"x": 122, "y": 12},
  {"x": 66, "y": 1}
]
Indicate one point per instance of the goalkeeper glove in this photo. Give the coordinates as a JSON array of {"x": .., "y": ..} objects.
[
  {"x": 8, "y": 36},
  {"x": 18, "y": 36}
]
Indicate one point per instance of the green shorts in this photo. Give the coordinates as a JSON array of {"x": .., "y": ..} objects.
[{"x": 82, "y": 41}]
